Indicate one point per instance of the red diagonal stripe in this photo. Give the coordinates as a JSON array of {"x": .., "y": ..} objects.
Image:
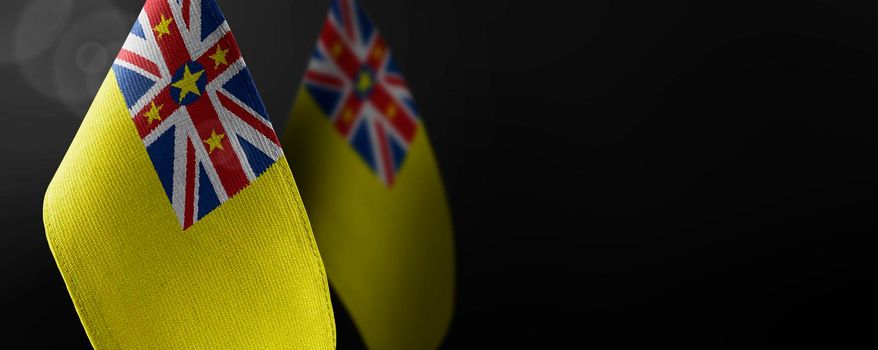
[
  {"x": 385, "y": 152},
  {"x": 395, "y": 80},
  {"x": 248, "y": 118},
  {"x": 225, "y": 160},
  {"x": 338, "y": 50},
  {"x": 189, "y": 203},
  {"x": 172, "y": 46},
  {"x": 324, "y": 79},
  {"x": 186, "y": 4},
  {"x": 401, "y": 121},
  {"x": 139, "y": 61}
]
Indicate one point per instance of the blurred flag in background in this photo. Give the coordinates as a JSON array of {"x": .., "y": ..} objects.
[
  {"x": 174, "y": 217},
  {"x": 372, "y": 186}
]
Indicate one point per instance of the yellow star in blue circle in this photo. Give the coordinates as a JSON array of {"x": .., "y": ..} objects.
[{"x": 188, "y": 83}]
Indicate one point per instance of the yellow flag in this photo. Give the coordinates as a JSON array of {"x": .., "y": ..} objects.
[
  {"x": 372, "y": 186},
  {"x": 174, "y": 217}
]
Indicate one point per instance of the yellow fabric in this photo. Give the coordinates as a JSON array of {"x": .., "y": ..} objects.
[
  {"x": 248, "y": 275},
  {"x": 388, "y": 251}
]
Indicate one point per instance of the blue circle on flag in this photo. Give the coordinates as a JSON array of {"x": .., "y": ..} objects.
[{"x": 188, "y": 83}]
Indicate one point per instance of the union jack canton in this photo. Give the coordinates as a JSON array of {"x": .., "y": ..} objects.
[
  {"x": 355, "y": 81},
  {"x": 194, "y": 105}
]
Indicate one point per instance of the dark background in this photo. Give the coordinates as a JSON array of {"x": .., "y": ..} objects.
[{"x": 696, "y": 174}]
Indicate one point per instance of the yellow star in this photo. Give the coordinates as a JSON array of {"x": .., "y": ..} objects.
[
  {"x": 188, "y": 83},
  {"x": 215, "y": 141},
  {"x": 348, "y": 115},
  {"x": 153, "y": 113},
  {"x": 219, "y": 57},
  {"x": 364, "y": 83},
  {"x": 391, "y": 112},
  {"x": 378, "y": 53},
  {"x": 162, "y": 28},
  {"x": 337, "y": 49}
]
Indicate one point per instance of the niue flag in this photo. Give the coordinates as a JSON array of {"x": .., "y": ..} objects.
[
  {"x": 368, "y": 176},
  {"x": 174, "y": 217}
]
